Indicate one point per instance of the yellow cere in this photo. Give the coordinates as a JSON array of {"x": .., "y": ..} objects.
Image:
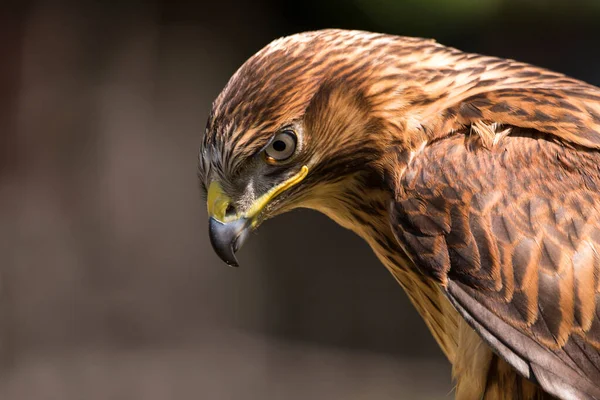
[{"x": 218, "y": 201}]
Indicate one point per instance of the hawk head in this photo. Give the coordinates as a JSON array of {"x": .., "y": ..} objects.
[{"x": 294, "y": 127}]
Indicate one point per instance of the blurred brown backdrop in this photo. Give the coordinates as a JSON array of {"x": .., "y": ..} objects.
[{"x": 108, "y": 286}]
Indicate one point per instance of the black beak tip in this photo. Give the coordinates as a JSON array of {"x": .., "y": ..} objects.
[
  {"x": 232, "y": 263},
  {"x": 227, "y": 238}
]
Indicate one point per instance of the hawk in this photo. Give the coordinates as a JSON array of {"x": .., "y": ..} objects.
[{"x": 475, "y": 180}]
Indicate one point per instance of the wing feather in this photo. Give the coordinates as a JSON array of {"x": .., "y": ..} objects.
[{"x": 516, "y": 245}]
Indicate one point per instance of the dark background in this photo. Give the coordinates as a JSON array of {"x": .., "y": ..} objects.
[{"x": 108, "y": 286}]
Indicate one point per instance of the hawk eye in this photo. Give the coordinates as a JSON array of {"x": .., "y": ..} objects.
[{"x": 281, "y": 147}]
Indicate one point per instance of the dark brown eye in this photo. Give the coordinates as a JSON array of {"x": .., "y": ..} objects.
[{"x": 282, "y": 146}]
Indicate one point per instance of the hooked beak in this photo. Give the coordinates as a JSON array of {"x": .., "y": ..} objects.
[
  {"x": 228, "y": 232},
  {"x": 228, "y": 237}
]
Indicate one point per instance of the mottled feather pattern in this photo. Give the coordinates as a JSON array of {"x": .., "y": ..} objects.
[
  {"x": 522, "y": 238},
  {"x": 475, "y": 179}
]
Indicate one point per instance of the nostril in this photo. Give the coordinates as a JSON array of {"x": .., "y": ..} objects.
[{"x": 230, "y": 210}]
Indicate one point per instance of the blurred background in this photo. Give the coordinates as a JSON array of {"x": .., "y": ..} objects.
[{"x": 108, "y": 286}]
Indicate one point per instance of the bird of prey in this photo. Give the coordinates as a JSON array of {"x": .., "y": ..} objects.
[{"x": 475, "y": 180}]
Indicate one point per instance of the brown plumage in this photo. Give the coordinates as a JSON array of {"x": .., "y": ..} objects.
[{"x": 476, "y": 181}]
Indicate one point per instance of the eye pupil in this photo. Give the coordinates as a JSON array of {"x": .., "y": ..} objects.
[
  {"x": 279, "y": 145},
  {"x": 282, "y": 147}
]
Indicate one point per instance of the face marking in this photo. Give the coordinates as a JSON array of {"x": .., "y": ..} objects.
[{"x": 218, "y": 201}]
